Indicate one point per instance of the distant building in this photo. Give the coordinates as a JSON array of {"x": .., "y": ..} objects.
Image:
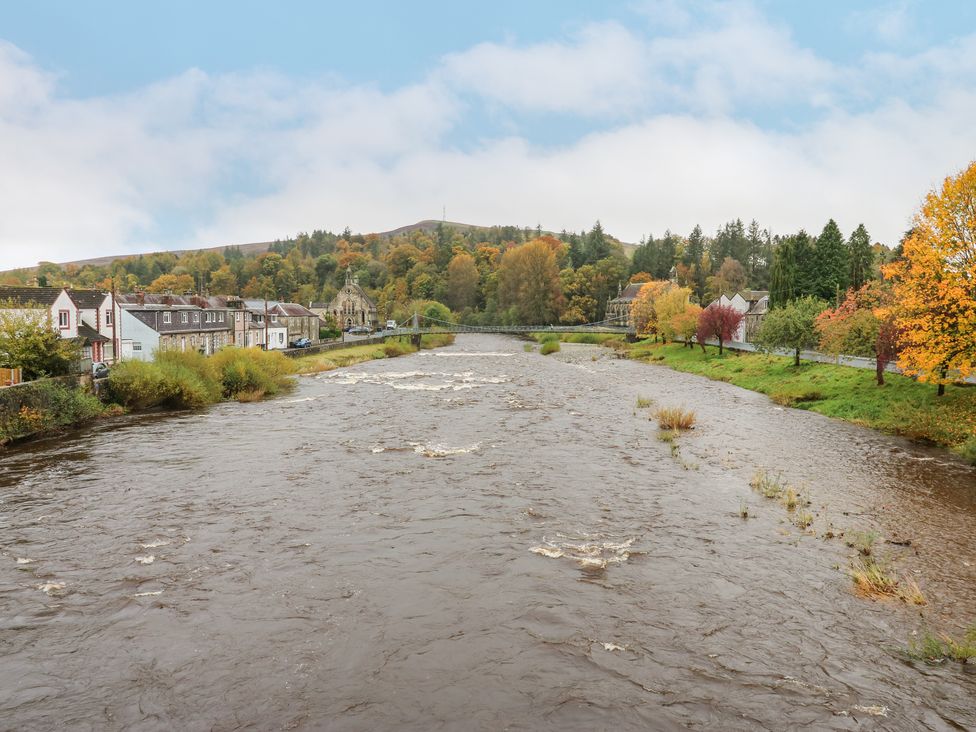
[
  {"x": 352, "y": 306},
  {"x": 753, "y": 304},
  {"x": 148, "y": 323},
  {"x": 618, "y": 309}
]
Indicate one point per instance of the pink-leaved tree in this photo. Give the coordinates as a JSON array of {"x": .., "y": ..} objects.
[{"x": 719, "y": 322}]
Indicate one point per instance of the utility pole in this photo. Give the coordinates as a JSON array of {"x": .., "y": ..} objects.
[
  {"x": 265, "y": 324},
  {"x": 115, "y": 341}
]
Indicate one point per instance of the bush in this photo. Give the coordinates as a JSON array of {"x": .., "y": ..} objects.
[
  {"x": 549, "y": 347},
  {"x": 42, "y": 406},
  {"x": 967, "y": 450},
  {"x": 189, "y": 380}
]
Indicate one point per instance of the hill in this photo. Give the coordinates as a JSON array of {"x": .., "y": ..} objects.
[{"x": 263, "y": 246}]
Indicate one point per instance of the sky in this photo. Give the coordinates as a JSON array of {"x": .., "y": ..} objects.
[{"x": 133, "y": 127}]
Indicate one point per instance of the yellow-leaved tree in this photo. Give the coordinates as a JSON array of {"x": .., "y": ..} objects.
[
  {"x": 642, "y": 311},
  {"x": 669, "y": 304},
  {"x": 935, "y": 285}
]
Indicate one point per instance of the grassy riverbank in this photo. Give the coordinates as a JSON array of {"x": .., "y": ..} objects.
[
  {"x": 901, "y": 407},
  {"x": 342, "y": 357}
]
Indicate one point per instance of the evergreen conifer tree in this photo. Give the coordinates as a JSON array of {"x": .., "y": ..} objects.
[
  {"x": 832, "y": 264},
  {"x": 861, "y": 257}
]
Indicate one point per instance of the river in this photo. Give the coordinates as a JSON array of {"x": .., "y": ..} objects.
[{"x": 476, "y": 538}]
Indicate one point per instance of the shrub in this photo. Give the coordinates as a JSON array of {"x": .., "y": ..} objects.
[
  {"x": 242, "y": 370},
  {"x": 44, "y": 405},
  {"x": 967, "y": 450},
  {"x": 675, "y": 418},
  {"x": 547, "y": 337},
  {"x": 138, "y": 384},
  {"x": 549, "y": 347}
]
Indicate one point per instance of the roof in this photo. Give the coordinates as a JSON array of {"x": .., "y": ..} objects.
[
  {"x": 89, "y": 335},
  {"x": 629, "y": 292},
  {"x": 87, "y": 299},
  {"x": 23, "y": 295},
  {"x": 293, "y": 310},
  {"x": 753, "y": 295}
]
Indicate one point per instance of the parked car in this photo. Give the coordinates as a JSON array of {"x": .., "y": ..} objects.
[
  {"x": 360, "y": 330},
  {"x": 99, "y": 370},
  {"x": 300, "y": 343},
  {"x": 391, "y": 325}
]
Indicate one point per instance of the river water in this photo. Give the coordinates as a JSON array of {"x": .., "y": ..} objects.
[{"x": 476, "y": 538}]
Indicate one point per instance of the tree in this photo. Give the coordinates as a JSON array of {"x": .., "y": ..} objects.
[
  {"x": 791, "y": 326},
  {"x": 859, "y": 326},
  {"x": 529, "y": 285},
  {"x": 730, "y": 278},
  {"x": 832, "y": 263},
  {"x": 172, "y": 283},
  {"x": 719, "y": 322},
  {"x": 28, "y": 341},
  {"x": 685, "y": 324},
  {"x": 642, "y": 309},
  {"x": 462, "y": 282},
  {"x": 597, "y": 245},
  {"x": 934, "y": 294},
  {"x": 861, "y": 257},
  {"x": 223, "y": 281},
  {"x": 669, "y": 304},
  {"x": 782, "y": 276},
  {"x": 694, "y": 258}
]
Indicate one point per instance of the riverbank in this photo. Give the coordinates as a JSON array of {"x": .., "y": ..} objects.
[
  {"x": 176, "y": 381},
  {"x": 341, "y": 357},
  {"x": 901, "y": 407}
]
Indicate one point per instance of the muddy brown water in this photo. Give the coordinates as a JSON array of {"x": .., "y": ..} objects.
[{"x": 475, "y": 538}]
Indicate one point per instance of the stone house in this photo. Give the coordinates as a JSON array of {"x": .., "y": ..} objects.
[
  {"x": 618, "y": 309},
  {"x": 352, "y": 306},
  {"x": 753, "y": 304},
  {"x": 148, "y": 323}
]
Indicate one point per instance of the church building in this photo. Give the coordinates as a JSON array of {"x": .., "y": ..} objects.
[{"x": 352, "y": 305}]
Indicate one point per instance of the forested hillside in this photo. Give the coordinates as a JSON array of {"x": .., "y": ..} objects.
[{"x": 497, "y": 274}]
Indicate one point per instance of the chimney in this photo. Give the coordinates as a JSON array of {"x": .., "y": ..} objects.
[
  {"x": 141, "y": 296},
  {"x": 167, "y": 299}
]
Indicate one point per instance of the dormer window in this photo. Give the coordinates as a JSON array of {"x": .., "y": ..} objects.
[
  {"x": 184, "y": 318},
  {"x": 167, "y": 317}
]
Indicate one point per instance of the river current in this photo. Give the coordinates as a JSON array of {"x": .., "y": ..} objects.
[{"x": 477, "y": 538}]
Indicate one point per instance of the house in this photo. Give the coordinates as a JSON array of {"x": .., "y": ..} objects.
[
  {"x": 618, "y": 309},
  {"x": 352, "y": 306},
  {"x": 753, "y": 305},
  {"x": 299, "y": 322},
  {"x": 149, "y": 322},
  {"x": 96, "y": 314},
  {"x": 52, "y": 303}
]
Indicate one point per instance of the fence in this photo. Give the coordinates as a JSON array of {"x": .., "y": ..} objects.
[
  {"x": 10, "y": 377},
  {"x": 335, "y": 345}
]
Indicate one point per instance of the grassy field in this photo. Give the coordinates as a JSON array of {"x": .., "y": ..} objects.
[
  {"x": 341, "y": 357},
  {"x": 902, "y": 406}
]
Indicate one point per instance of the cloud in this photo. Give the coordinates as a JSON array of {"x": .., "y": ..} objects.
[
  {"x": 600, "y": 71},
  {"x": 664, "y": 138}
]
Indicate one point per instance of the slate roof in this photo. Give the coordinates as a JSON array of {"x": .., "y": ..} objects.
[
  {"x": 294, "y": 310},
  {"x": 629, "y": 292},
  {"x": 87, "y": 299},
  {"x": 23, "y": 295},
  {"x": 89, "y": 335}
]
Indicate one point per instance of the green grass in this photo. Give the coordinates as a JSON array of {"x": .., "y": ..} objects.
[
  {"x": 549, "y": 347},
  {"x": 936, "y": 648},
  {"x": 902, "y": 406},
  {"x": 391, "y": 348},
  {"x": 594, "y": 339}
]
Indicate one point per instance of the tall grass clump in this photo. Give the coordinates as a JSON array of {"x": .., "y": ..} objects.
[
  {"x": 190, "y": 380},
  {"x": 873, "y": 579},
  {"x": 675, "y": 418},
  {"x": 549, "y": 347},
  {"x": 548, "y": 337},
  {"x": 249, "y": 371}
]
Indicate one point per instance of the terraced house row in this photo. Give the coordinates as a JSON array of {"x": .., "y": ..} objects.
[{"x": 135, "y": 325}]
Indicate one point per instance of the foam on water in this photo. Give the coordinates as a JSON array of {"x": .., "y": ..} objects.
[
  {"x": 439, "y": 451},
  {"x": 148, "y": 559},
  {"x": 588, "y": 554}
]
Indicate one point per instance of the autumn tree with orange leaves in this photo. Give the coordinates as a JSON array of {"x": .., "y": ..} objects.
[
  {"x": 642, "y": 310},
  {"x": 935, "y": 285}
]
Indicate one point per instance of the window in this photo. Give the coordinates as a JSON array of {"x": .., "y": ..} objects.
[
  {"x": 183, "y": 339},
  {"x": 108, "y": 316},
  {"x": 167, "y": 317},
  {"x": 64, "y": 319},
  {"x": 274, "y": 318},
  {"x": 237, "y": 317},
  {"x": 209, "y": 317},
  {"x": 196, "y": 317},
  {"x": 136, "y": 346},
  {"x": 221, "y": 317},
  {"x": 183, "y": 319}
]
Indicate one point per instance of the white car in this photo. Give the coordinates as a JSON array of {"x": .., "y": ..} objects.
[{"x": 391, "y": 325}]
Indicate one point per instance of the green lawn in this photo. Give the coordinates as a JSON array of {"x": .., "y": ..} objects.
[{"x": 902, "y": 406}]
